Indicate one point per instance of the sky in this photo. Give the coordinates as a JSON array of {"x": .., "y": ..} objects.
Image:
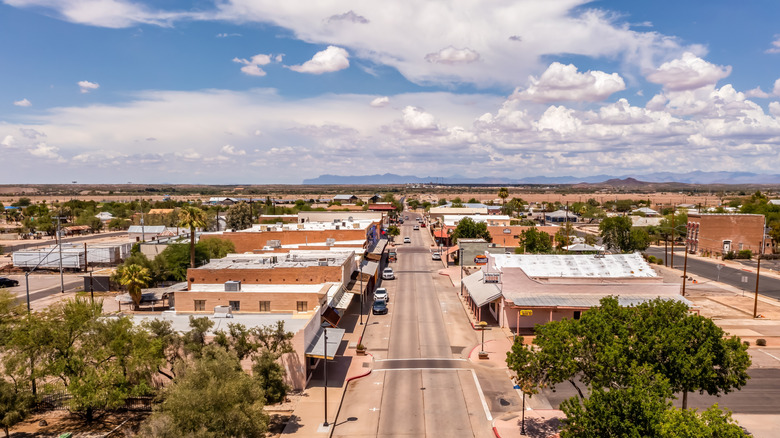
[{"x": 264, "y": 92}]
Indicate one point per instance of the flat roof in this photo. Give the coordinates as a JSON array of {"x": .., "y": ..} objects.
[
  {"x": 269, "y": 288},
  {"x": 575, "y": 265},
  {"x": 293, "y": 259}
]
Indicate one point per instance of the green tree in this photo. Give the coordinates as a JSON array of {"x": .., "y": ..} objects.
[
  {"x": 687, "y": 423},
  {"x": 210, "y": 397},
  {"x": 534, "y": 242},
  {"x": 468, "y": 229},
  {"x": 134, "y": 277},
  {"x": 192, "y": 218},
  {"x": 609, "y": 342},
  {"x": 239, "y": 216},
  {"x": 617, "y": 233},
  {"x": 217, "y": 248},
  {"x": 15, "y": 405},
  {"x": 503, "y": 193},
  {"x": 393, "y": 230},
  {"x": 176, "y": 258},
  {"x": 413, "y": 204}
]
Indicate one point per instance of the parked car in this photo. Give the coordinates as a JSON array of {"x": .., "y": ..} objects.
[
  {"x": 436, "y": 256},
  {"x": 379, "y": 307},
  {"x": 416, "y": 227},
  {"x": 422, "y": 224},
  {"x": 381, "y": 294},
  {"x": 407, "y": 239},
  {"x": 391, "y": 256},
  {"x": 388, "y": 274},
  {"x": 7, "y": 282}
]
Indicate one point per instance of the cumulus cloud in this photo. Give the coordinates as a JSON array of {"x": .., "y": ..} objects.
[
  {"x": 757, "y": 92},
  {"x": 252, "y": 65},
  {"x": 776, "y": 89},
  {"x": 380, "y": 102},
  {"x": 8, "y": 141},
  {"x": 87, "y": 86},
  {"x": 107, "y": 13},
  {"x": 23, "y": 102},
  {"x": 350, "y": 16},
  {"x": 43, "y": 150},
  {"x": 329, "y": 60},
  {"x": 232, "y": 150},
  {"x": 564, "y": 83},
  {"x": 415, "y": 119},
  {"x": 775, "y": 45},
  {"x": 774, "y": 109},
  {"x": 451, "y": 55},
  {"x": 688, "y": 73}
]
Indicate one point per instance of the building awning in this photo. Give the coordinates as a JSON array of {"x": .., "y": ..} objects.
[
  {"x": 369, "y": 270},
  {"x": 331, "y": 315},
  {"x": 375, "y": 251},
  {"x": 451, "y": 250},
  {"x": 317, "y": 347},
  {"x": 479, "y": 291},
  {"x": 585, "y": 301},
  {"x": 441, "y": 234},
  {"x": 342, "y": 299}
]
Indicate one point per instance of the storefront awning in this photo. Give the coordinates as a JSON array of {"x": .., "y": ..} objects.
[
  {"x": 479, "y": 291},
  {"x": 317, "y": 347},
  {"x": 375, "y": 251},
  {"x": 451, "y": 250}
]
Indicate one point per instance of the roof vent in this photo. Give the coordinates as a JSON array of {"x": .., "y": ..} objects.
[
  {"x": 274, "y": 243},
  {"x": 330, "y": 241}
]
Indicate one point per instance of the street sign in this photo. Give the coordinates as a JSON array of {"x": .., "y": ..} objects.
[
  {"x": 480, "y": 260},
  {"x": 526, "y": 312}
]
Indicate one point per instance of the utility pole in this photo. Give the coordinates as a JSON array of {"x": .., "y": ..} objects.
[
  {"x": 59, "y": 245},
  {"x": 755, "y": 299}
]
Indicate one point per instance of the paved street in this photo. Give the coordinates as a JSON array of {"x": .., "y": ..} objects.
[
  {"x": 731, "y": 274},
  {"x": 421, "y": 384}
]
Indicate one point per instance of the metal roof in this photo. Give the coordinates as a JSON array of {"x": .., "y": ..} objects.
[
  {"x": 479, "y": 291},
  {"x": 585, "y": 300},
  {"x": 317, "y": 347},
  {"x": 575, "y": 265}
]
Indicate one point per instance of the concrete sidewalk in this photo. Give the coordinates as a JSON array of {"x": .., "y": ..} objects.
[{"x": 309, "y": 408}]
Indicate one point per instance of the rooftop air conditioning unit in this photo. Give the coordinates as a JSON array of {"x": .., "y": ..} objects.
[
  {"x": 322, "y": 262},
  {"x": 274, "y": 243},
  {"x": 330, "y": 241},
  {"x": 280, "y": 224},
  {"x": 350, "y": 219},
  {"x": 232, "y": 286},
  {"x": 492, "y": 277}
]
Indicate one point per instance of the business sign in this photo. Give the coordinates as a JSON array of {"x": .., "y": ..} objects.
[
  {"x": 480, "y": 260},
  {"x": 526, "y": 312}
]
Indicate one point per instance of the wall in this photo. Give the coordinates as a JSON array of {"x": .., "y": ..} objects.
[
  {"x": 251, "y": 241},
  {"x": 250, "y": 301},
  {"x": 277, "y": 275},
  {"x": 746, "y": 230}
]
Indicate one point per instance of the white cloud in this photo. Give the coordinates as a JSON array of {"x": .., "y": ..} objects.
[
  {"x": 329, "y": 60},
  {"x": 774, "y": 108},
  {"x": 564, "y": 83},
  {"x": 776, "y": 88},
  {"x": 228, "y": 35},
  {"x": 775, "y": 45},
  {"x": 757, "y": 92},
  {"x": 43, "y": 150},
  {"x": 23, "y": 102},
  {"x": 350, "y": 16},
  {"x": 451, "y": 55},
  {"x": 252, "y": 65},
  {"x": 688, "y": 73},
  {"x": 232, "y": 150},
  {"x": 107, "y": 13},
  {"x": 87, "y": 86},
  {"x": 8, "y": 141},
  {"x": 415, "y": 119},
  {"x": 380, "y": 102}
]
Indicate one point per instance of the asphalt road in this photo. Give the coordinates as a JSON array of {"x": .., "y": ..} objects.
[
  {"x": 420, "y": 386},
  {"x": 768, "y": 286}
]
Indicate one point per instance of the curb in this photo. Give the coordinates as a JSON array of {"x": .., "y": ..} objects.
[
  {"x": 495, "y": 430},
  {"x": 344, "y": 393}
]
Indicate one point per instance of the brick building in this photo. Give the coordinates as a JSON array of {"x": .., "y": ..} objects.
[
  {"x": 294, "y": 283},
  {"x": 716, "y": 234}
]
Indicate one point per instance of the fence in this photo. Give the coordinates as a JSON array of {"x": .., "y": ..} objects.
[{"x": 58, "y": 401}]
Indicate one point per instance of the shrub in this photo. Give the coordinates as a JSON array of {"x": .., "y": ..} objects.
[
  {"x": 747, "y": 343},
  {"x": 729, "y": 255},
  {"x": 761, "y": 342},
  {"x": 745, "y": 254}
]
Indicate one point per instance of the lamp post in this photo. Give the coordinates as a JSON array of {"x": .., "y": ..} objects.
[
  {"x": 482, "y": 325},
  {"x": 325, "y": 326},
  {"x": 360, "y": 274},
  {"x": 755, "y": 299}
]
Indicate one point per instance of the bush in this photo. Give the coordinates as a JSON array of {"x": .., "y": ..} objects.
[
  {"x": 729, "y": 256},
  {"x": 746, "y": 343},
  {"x": 745, "y": 254},
  {"x": 761, "y": 342}
]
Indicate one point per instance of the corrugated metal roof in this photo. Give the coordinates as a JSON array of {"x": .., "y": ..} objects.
[
  {"x": 479, "y": 291},
  {"x": 574, "y": 265},
  {"x": 585, "y": 301},
  {"x": 317, "y": 347}
]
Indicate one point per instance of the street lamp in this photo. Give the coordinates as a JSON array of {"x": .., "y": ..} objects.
[{"x": 325, "y": 326}]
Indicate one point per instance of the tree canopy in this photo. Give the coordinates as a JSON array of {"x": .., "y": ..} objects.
[
  {"x": 535, "y": 242},
  {"x": 468, "y": 229},
  {"x": 618, "y": 233},
  {"x": 239, "y": 216}
]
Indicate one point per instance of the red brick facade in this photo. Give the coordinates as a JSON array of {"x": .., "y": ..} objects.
[
  {"x": 253, "y": 241},
  {"x": 714, "y": 234}
]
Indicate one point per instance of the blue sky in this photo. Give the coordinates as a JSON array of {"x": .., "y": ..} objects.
[{"x": 258, "y": 91}]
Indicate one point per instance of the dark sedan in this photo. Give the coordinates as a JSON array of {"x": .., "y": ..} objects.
[
  {"x": 379, "y": 307},
  {"x": 7, "y": 282}
]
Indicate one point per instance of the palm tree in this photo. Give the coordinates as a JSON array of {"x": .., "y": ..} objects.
[
  {"x": 135, "y": 277},
  {"x": 192, "y": 217},
  {"x": 503, "y": 193}
]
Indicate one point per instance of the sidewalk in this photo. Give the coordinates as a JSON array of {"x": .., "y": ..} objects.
[{"x": 309, "y": 408}]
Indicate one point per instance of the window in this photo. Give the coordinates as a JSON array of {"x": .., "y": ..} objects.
[
  {"x": 577, "y": 314},
  {"x": 235, "y": 305},
  {"x": 302, "y": 306},
  {"x": 200, "y": 305},
  {"x": 265, "y": 306}
]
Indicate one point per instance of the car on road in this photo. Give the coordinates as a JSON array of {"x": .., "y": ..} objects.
[
  {"x": 7, "y": 282},
  {"x": 436, "y": 256},
  {"x": 379, "y": 307},
  {"x": 406, "y": 217},
  {"x": 416, "y": 227},
  {"x": 407, "y": 240},
  {"x": 388, "y": 274},
  {"x": 381, "y": 294}
]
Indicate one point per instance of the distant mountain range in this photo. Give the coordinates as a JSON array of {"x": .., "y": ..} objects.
[{"x": 697, "y": 177}]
